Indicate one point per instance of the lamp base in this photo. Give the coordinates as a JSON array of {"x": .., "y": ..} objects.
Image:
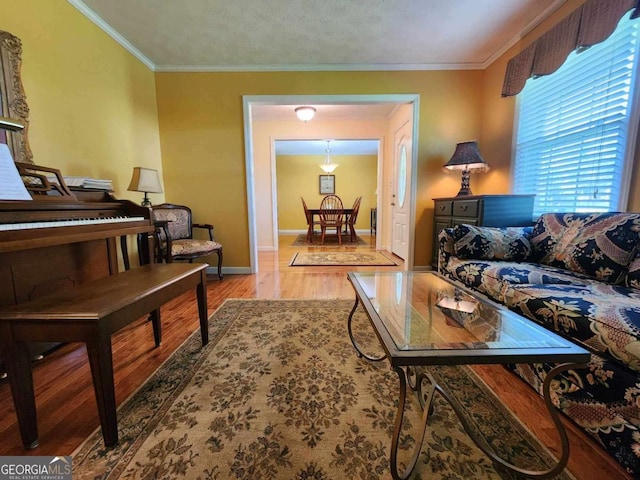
[
  {"x": 145, "y": 201},
  {"x": 464, "y": 187}
]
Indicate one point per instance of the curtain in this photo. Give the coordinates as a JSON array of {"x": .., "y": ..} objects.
[{"x": 589, "y": 24}]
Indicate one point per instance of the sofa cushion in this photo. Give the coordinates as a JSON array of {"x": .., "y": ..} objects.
[
  {"x": 600, "y": 245},
  {"x": 603, "y": 318},
  {"x": 493, "y": 277},
  {"x": 488, "y": 243}
]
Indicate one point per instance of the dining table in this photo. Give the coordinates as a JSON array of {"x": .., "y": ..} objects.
[{"x": 313, "y": 212}]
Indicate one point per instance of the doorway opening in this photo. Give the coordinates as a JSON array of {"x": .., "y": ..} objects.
[
  {"x": 301, "y": 174},
  {"x": 270, "y": 118}
]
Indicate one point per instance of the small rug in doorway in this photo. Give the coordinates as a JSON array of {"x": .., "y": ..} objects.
[
  {"x": 338, "y": 258},
  {"x": 280, "y": 394},
  {"x": 301, "y": 241}
]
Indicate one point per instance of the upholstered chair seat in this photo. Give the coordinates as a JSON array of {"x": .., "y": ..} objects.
[
  {"x": 174, "y": 236},
  {"x": 191, "y": 247}
]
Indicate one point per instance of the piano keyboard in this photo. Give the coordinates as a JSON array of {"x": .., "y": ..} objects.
[{"x": 68, "y": 223}]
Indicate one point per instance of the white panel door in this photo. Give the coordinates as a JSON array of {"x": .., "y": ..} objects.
[{"x": 400, "y": 198}]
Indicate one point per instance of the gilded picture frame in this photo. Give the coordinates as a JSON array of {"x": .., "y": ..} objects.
[{"x": 13, "y": 101}]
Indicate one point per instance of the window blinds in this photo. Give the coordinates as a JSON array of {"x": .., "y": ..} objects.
[{"x": 573, "y": 127}]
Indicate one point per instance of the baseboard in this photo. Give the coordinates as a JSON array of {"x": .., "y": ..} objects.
[
  {"x": 229, "y": 270},
  {"x": 422, "y": 268}
]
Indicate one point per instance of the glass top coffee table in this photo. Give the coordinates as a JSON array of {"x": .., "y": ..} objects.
[{"x": 421, "y": 319}]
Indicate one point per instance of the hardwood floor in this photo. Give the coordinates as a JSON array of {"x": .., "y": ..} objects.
[{"x": 64, "y": 394}]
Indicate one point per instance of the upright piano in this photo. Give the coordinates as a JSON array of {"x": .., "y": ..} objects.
[{"x": 63, "y": 238}]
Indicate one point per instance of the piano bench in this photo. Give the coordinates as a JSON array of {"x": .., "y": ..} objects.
[{"x": 91, "y": 313}]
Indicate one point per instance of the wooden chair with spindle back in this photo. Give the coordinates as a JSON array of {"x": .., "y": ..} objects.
[
  {"x": 311, "y": 223},
  {"x": 351, "y": 221},
  {"x": 331, "y": 216}
]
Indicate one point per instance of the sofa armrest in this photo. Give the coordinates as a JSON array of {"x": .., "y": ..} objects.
[{"x": 445, "y": 248}]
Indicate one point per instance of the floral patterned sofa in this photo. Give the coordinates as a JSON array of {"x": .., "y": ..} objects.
[{"x": 578, "y": 275}]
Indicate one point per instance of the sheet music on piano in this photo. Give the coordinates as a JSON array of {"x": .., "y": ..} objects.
[{"x": 11, "y": 184}]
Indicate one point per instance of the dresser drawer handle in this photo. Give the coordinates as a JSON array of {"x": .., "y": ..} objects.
[{"x": 464, "y": 207}]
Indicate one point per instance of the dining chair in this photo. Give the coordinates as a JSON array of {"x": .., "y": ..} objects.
[
  {"x": 174, "y": 236},
  {"x": 331, "y": 216},
  {"x": 311, "y": 223},
  {"x": 351, "y": 220}
]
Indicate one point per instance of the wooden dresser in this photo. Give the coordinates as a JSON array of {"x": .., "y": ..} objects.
[{"x": 484, "y": 210}]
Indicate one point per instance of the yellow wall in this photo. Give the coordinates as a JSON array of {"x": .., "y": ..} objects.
[
  {"x": 93, "y": 108},
  {"x": 200, "y": 116},
  {"x": 298, "y": 176}
]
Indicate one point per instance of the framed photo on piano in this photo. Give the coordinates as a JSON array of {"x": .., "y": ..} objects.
[{"x": 327, "y": 184}]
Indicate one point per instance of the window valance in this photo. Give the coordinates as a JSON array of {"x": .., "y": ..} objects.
[{"x": 591, "y": 23}]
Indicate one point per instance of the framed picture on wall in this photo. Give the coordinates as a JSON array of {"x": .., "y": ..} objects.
[{"x": 327, "y": 184}]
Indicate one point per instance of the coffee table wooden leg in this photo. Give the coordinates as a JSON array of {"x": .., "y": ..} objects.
[
  {"x": 18, "y": 364},
  {"x": 201, "y": 293},
  {"x": 157, "y": 326},
  {"x": 100, "y": 360}
]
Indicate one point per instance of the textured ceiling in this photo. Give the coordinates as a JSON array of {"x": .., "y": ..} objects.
[{"x": 316, "y": 34}]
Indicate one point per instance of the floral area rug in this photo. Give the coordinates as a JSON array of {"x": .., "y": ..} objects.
[
  {"x": 301, "y": 241},
  {"x": 337, "y": 258},
  {"x": 279, "y": 393}
]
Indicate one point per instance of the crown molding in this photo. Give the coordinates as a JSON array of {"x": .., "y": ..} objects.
[{"x": 319, "y": 68}]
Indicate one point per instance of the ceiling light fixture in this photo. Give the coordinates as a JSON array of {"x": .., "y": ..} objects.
[
  {"x": 305, "y": 113},
  {"x": 328, "y": 166}
]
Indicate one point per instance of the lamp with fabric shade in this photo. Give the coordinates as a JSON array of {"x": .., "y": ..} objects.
[
  {"x": 466, "y": 158},
  {"x": 145, "y": 180}
]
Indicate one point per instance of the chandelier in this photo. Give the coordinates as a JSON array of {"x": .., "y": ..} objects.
[{"x": 327, "y": 165}]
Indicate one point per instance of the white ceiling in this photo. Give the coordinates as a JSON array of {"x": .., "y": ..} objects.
[{"x": 223, "y": 35}]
